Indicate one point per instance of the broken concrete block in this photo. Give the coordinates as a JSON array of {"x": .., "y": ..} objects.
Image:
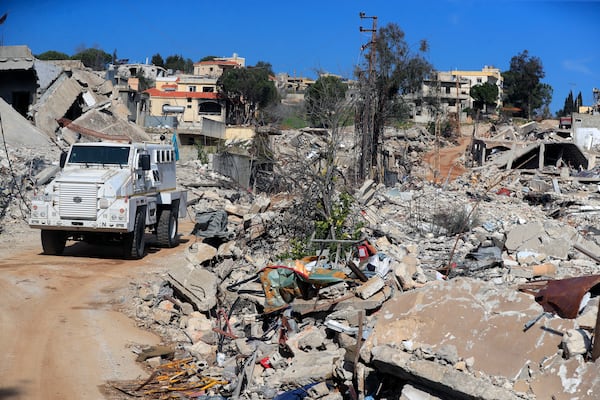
[
  {"x": 440, "y": 378},
  {"x": 200, "y": 252},
  {"x": 587, "y": 319},
  {"x": 530, "y": 257},
  {"x": 519, "y": 271},
  {"x": 145, "y": 293},
  {"x": 522, "y": 234},
  {"x": 576, "y": 342},
  {"x": 546, "y": 269},
  {"x": 447, "y": 353},
  {"x": 156, "y": 351},
  {"x": 409, "y": 392},
  {"x": 154, "y": 362},
  {"x": 228, "y": 250},
  {"x": 197, "y": 326},
  {"x": 334, "y": 291},
  {"x": 236, "y": 209},
  {"x": 260, "y": 205},
  {"x": 313, "y": 340},
  {"x": 163, "y": 317},
  {"x": 200, "y": 350},
  {"x": 197, "y": 285},
  {"x": 440, "y": 311},
  {"x": 370, "y": 287},
  {"x": 243, "y": 347},
  {"x": 186, "y": 308},
  {"x": 306, "y": 368},
  {"x": 405, "y": 270}
]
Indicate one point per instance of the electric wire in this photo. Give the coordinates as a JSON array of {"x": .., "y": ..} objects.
[{"x": 12, "y": 173}]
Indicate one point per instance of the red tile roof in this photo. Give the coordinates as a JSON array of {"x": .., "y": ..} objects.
[
  {"x": 154, "y": 92},
  {"x": 217, "y": 62}
]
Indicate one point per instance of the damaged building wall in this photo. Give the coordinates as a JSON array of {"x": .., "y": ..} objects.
[
  {"x": 237, "y": 167},
  {"x": 524, "y": 155},
  {"x": 586, "y": 130},
  {"x": 56, "y": 102},
  {"x": 18, "y": 77}
]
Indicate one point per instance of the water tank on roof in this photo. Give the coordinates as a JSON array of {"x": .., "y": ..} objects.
[{"x": 173, "y": 109}]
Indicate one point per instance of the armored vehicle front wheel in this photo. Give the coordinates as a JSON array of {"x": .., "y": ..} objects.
[
  {"x": 53, "y": 242},
  {"x": 135, "y": 245}
]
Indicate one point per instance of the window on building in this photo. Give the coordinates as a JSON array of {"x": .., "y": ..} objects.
[
  {"x": 448, "y": 90},
  {"x": 210, "y": 108},
  {"x": 479, "y": 80},
  {"x": 191, "y": 88},
  {"x": 208, "y": 89}
]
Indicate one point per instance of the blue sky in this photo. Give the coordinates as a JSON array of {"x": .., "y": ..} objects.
[{"x": 302, "y": 37}]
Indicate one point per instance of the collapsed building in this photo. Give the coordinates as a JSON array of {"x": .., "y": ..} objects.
[
  {"x": 485, "y": 287},
  {"x": 45, "y": 91}
]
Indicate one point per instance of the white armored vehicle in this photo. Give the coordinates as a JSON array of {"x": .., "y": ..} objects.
[{"x": 110, "y": 192}]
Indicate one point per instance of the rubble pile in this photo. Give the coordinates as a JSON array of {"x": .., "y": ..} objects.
[
  {"x": 451, "y": 312},
  {"x": 457, "y": 290}
]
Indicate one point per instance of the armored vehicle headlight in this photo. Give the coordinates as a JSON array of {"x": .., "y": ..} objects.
[{"x": 103, "y": 203}]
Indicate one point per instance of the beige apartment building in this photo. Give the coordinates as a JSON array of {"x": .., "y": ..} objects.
[
  {"x": 214, "y": 68},
  {"x": 449, "y": 92}
]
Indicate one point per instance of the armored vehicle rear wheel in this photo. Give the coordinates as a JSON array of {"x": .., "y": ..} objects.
[
  {"x": 53, "y": 242},
  {"x": 166, "y": 230}
]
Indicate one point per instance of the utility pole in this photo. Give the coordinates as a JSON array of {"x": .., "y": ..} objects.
[
  {"x": 366, "y": 123},
  {"x": 458, "y": 87}
]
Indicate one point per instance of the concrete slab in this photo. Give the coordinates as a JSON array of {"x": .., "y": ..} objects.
[{"x": 481, "y": 320}]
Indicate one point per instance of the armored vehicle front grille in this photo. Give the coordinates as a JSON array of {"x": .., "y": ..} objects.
[{"x": 78, "y": 201}]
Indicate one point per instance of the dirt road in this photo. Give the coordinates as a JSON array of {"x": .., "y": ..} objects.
[
  {"x": 445, "y": 164},
  {"x": 61, "y": 334}
]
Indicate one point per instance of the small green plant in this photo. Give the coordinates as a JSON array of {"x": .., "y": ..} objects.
[
  {"x": 299, "y": 248},
  {"x": 454, "y": 221},
  {"x": 202, "y": 155},
  {"x": 339, "y": 221}
]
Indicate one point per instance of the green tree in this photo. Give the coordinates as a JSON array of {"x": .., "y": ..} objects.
[
  {"x": 522, "y": 84},
  {"x": 158, "y": 60},
  {"x": 324, "y": 99},
  {"x": 578, "y": 102},
  {"x": 93, "y": 58},
  {"x": 543, "y": 92},
  {"x": 484, "y": 95},
  {"x": 568, "y": 106},
  {"x": 176, "y": 62},
  {"x": 208, "y": 58},
  {"x": 52, "y": 55},
  {"x": 266, "y": 66},
  {"x": 247, "y": 90},
  {"x": 394, "y": 70}
]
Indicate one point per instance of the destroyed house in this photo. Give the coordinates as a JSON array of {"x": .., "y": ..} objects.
[{"x": 18, "y": 77}]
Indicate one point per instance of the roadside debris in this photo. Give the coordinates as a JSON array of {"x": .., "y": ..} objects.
[{"x": 481, "y": 287}]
